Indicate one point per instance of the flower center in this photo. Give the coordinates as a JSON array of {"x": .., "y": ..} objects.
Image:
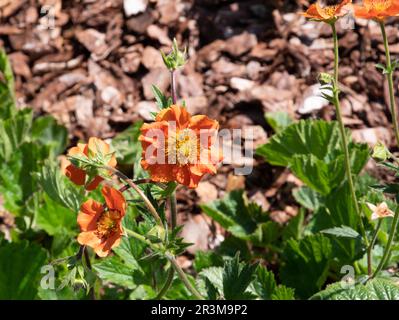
[
  {"x": 330, "y": 11},
  {"x": 183, "y": 147},
  {"x": 382, "y": 211},
  {"x": 107, "y": 223},
  {"x": 379, "y": 5}
]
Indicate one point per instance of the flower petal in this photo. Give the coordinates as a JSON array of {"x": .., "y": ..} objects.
[
  {"x": 112, "y": 163},
  {"x": 114, "y": 199},
  {"x": 88, "y": 238},
  {"x": 96, "y": 145},
  {"x": 182, "y": 174},
  {"x": 312, "y": 12},
  {"x": 201, "y": 169},
  {"x": 79, "y": 149},
  {"x": 160, "y": 172},
  {"x": 76, "y": 175},
  {"x": 202, "y": 122},
  {"x": 371, "y": 206},
  {"x": 89, "y": 214},
  {"x": 176, "y": 114},
  {"x": 94, "y": 183},
  {"x": 374, "y": 216},
  {"x": 105, "y": 247}
]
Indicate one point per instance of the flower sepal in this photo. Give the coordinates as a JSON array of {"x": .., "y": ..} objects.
[
  {"x": 176, "y": 58},
  {"x": 94, "y": 165},
  {"x": 381, "y": 152},
  {"x": 157, "y": 235}
]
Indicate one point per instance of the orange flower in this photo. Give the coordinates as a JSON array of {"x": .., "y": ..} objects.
[
  {"x": 179, "y": 147},
  {"x": 77, "y": 175},
  {"x": 377, "y": 9},
  {"x": 101, "y": 225},
  {"x": 327, "y": 13}
]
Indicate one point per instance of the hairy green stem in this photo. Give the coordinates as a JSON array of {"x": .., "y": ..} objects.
[
  {"x": 173, "y": 214},
  {"x": 167, "y": 284},
  {"x": 184, "y": 278},
  {"x": 389, "y": 73},
  {"x": 389, "y": 244},
  {"x": 173, "y": 209},
  {"x": 88, "y": 264},
  {"x": 172, "y": 260},
  {"x": 343, "y": 134},
  {"x": 172, "y": 198},
  {"x": 370, "y": 248},
  {"x": 173, "y": 86},
  {"x": 140, "y": 238}
]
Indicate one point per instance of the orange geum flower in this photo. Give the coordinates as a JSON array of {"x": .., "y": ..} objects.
[
  {"x": 327, "y": 13},
  {"x": 89, "y": 150},
  {"x": 180, "y": 147},
  {"x": 377, "y": 9},
  {"x": 380, "y": 211},
  {"x": 100, "y": 225}
]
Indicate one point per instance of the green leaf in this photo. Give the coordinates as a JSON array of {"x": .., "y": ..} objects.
[
  {"x": 20, "y": 265},
  {"x": 127, "y": 251},
  {"x": 231, "y": 211},
  {"x": 6, "y": 70},
  {"x": 318, "y": 138},
  {"x": 265, "y": 283},
  {"x": 317, "y": 174},
  {"x": 312, "y": 150},
  {"x": 244, "y": 221},
  {"x": 214, "y": 275},
  {"x": 343, "y": 231},
  {"x": 161, "y": 100},
  {"x": 56, "y": 219},
  {"x": 18, "y": 183},
  {"x": 306, "y": 264},
  {"x": 14, "y": 132},
  {"x": 211, "y": 291},
  {"x": 283, "y": 293},
  {"x": 7, "y": 95},
  {"x": 207, "y": 259},
  {"x": 339, "y": 210},
  {"x": 376, "y": 289},
  {"x": 58, "y": 188},
  {"x": 236, "y": 279},
  {"x": 308, "y": 198},
  {"x": 47, "y": 131},
  {"x": 115, "y": 271},
  {"x": 67, "y": 293},
  {"x": 278, "y": 120},
  {"x": 295, "y": 226},
  {"x": 128, "y": 149}
]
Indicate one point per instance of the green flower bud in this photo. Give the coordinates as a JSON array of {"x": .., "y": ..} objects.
[
  {"x": 381, "y": 152},
  {"x": 176, "y": 58}
]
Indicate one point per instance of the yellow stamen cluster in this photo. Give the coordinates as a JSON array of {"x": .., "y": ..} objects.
[
  {"x": 378, "y": 5},
  {"x": 329, "y": 11},
  {"x": 107, "y": 223},
  {"x": 183, "y": 147}
]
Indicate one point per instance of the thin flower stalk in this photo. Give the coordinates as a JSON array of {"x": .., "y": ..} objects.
[
  {"x": 389, "y": 74},
  {"x": 184, "y": 278},
  {"x": 371, "y": 246},
  {"x": 344, "y": 141},
  {"x": 388, "y": 247}
]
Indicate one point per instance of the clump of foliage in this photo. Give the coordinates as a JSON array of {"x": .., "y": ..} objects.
[{"x": 104, "y": 225}]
